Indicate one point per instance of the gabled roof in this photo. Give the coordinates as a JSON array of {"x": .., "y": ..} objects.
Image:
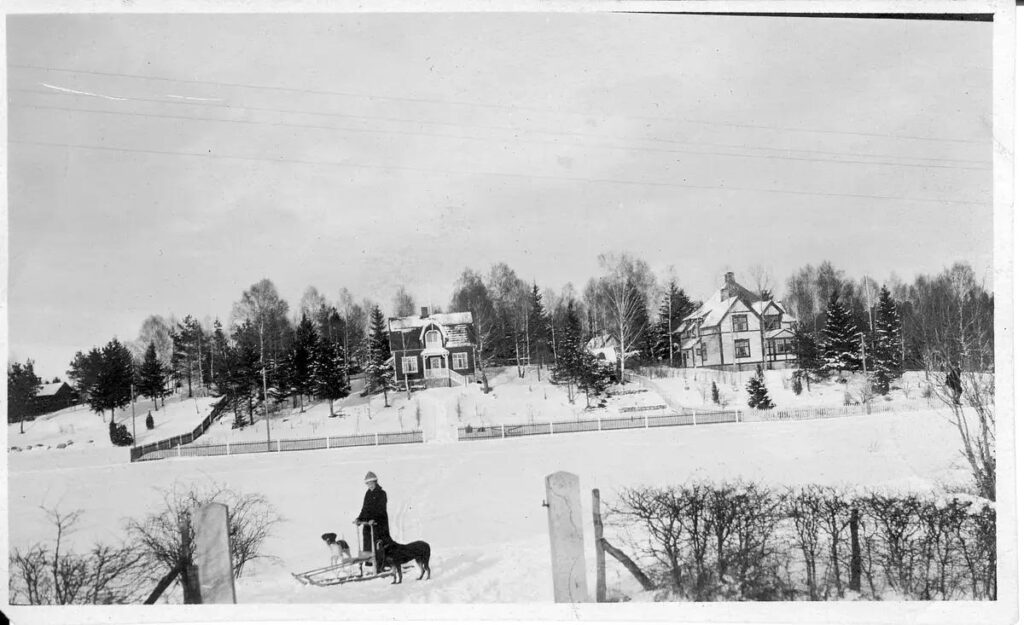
[
  {"x": 49, "y": 390},
  {"x": 715, "y": 308},
  {"x": 441, "y": 319}
]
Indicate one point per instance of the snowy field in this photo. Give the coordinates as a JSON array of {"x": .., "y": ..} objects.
[
  {"x": 511, "y": 400},
  {"x": 78, "y": 427},
  {"x": 479, "y": 503}
]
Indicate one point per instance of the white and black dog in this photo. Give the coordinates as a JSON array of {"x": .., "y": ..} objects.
[{"x": 340, "y": 553}]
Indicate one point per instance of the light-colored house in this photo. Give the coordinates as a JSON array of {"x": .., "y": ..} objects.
[
  {"x": 736, "y": 329},
  {"x": 604, "y": 347}
]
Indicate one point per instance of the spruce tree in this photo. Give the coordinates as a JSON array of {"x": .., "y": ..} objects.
[
  {"x": 150, "y": 424},
  {"x": 595, "y": 375},
  {"x": 331, "y": 378},
  {"x": 840, "y": 347},
  {"x": 757, "y": 394},
  {"x": 22, "y": 386},
  {"x": 887, "y": 343},
  {"x": 244, "y": 370},
  {"x": 301, "y": 377},
  {"x": 152, "y": 377},
  {"x": 220, "y": 369},
  {"x": 715, "y": 397},
  {"x": 380, "y": 375},
  {"x": 187, "y": 355},
  {"x": 675, "y": 305},
  {"x": 539, "y": 329},
  {"x": 570, "y": 348},
  {"x": 113, "y": 384}
]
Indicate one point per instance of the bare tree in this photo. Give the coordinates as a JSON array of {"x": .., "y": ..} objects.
[
  {"x": 167, "y": 537},
  {"x": 959, "y": 364},
  {"x": 56, "y": 575},
  {"x": 403, "y": 305},
  {"x": 624, "y": 293}
]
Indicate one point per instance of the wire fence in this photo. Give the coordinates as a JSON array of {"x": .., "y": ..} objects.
[{"x": 286, "y": 444}]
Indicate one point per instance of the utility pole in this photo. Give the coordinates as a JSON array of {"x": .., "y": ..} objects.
[
  {"x": 263, "y": 367},
  {"x": 132, "y": 391},
  {"x": 863, "y": 354},
  {"x": 671, "y": 360}
]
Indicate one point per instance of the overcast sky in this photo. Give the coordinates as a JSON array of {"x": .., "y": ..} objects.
[{"x": 399, "y": 149}]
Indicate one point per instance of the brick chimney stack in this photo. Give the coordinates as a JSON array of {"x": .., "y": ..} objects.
[{"x": 424, "y": 312}]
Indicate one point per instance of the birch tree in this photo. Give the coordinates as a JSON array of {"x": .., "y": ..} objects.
[{"x": 623, "y": 291}]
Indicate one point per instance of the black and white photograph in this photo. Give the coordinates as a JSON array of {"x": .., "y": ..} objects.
[{"x": 688, "y": 311}]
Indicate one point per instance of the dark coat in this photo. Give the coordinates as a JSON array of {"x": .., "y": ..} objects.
[{"x": 375, "y": 508}]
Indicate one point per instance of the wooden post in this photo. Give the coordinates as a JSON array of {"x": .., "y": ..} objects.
[
  {"x": 855, "y": 561},
  {"x": 216, "y": 578},
  {"x": 503, "y": 430},
  {"x": 551, "y": 427},
  {"x": 694, "y": 415},
  {"x": 376, "y": 438},
  {"x": 565, "y": 528},
  {"x": 601, "y": 591},
  {"x": 646, "y": 421},
  {"x": 737, "y": 415}
]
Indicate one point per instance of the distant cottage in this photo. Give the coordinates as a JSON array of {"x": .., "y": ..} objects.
[
  {"x": 53, "y": 397},
  {"x": 737, "y": 329},
  {"x": 433, "y": 347}
]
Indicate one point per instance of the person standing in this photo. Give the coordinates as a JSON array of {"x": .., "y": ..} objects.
[{"x": 375, "y": 510}]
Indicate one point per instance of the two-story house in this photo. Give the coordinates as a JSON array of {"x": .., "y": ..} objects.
[
  {"x": 736, "y": 329},
  {"x": 434, "y": 346}
]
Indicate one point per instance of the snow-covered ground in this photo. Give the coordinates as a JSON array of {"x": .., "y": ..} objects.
[
  {"x": 511, "y": 400},
  {"x": 479, "y": 503},
  {"x": 78, "y": 427},
  {"x": 692, "y": 388}
]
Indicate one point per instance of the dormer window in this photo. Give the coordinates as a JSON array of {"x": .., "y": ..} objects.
[
  {"x": 772, "y": 322},
  {"x": 433, "y": 338}
]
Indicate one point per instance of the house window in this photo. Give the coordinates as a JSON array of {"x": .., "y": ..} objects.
[
  {"x": 772, "y": 322},
  {"x": 409, "y": 364},
  {"x": 460, "y": 360},
  {"x": 783, "y": 346},
  {"x": 433, "y": 338},
  {"x": 743, "y": 348},
  {"x": 702, "y": 352},
  {"x": 739, "y": 323}
]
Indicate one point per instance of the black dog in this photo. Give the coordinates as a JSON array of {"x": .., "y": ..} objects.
[{"x": 394, "y": 555}]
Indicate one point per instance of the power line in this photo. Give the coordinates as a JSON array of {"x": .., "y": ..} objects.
[
  {"x": 488, "y": 105},
  {"x": 210, "y": 155},
  {"x": 492, "y": 127},
  {"x": 497, "y": 139}
]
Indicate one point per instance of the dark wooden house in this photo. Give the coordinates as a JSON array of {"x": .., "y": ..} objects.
[
  {"x": 53, "y": 397},
  {"x": 433, "y": 347}
]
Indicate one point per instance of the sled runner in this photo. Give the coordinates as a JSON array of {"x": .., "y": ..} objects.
[{"x": 359, "y": 568}]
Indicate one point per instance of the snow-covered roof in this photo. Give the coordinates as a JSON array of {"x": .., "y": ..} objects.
[
  {"x": 49, "y": 390},
  {"x": 441, "y": 319},
  {"x": 601, "y": 341},
  {"x": 688, "y": 343},
  {"x": 782, "y": 333},
  {"x": 717, "y": 306}
]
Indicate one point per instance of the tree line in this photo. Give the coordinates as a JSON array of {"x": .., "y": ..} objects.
[{"x": 263, "y": 354}]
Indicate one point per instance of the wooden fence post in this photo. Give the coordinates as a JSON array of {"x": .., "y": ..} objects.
[
  {"x": 216, "y": 578},
  {"x": 376, "y": 438},
  {"x": 565, "y": 528},
  {"x": 551, "y": 427},
  {"x": 503, "y": 430},
  {"x": 694, "y": 414},
  {"x": 601, "y": 591},
  {"x": 855, "y": 561},
  {"x": 737, "y": 415}
]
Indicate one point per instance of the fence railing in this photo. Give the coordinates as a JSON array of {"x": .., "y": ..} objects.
[
  {"x": 635, "y": 421},
  {"x": 640, "y": 420},
  {"x": 140, "y": 452},
  {"x": 286, "y": 444}
]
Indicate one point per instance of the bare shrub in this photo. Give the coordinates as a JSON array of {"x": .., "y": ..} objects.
[
  {"x": 52, "y": 574},
  {"x": 167, "y": 537}
]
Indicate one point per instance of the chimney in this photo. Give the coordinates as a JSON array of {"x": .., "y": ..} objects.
[
  {"x": 730, "y": 282},
  {"x": 424, "y": 312}
]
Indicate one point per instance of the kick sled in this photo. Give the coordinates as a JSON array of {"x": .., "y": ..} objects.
[{"x": 359, "y": 568}]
